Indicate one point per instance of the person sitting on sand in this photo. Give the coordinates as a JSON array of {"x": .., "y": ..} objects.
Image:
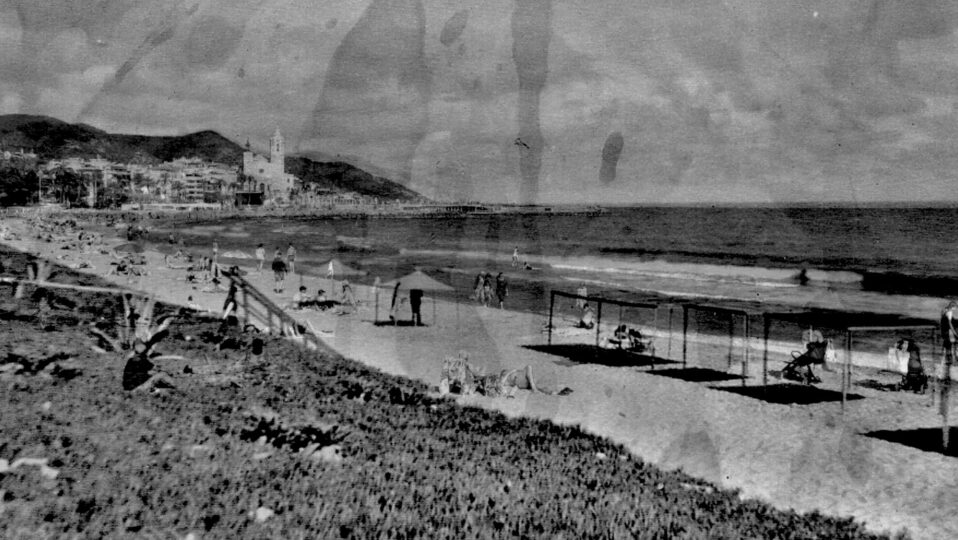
[
  {"x": 300, "y": 299},
  {"x": 587, "y": 320},
  {"x": 622, "y": 337},
  {"x": 140, "y": 375},
  {"x": 915, "y": 378},
  {"x": 348, "y": 298},
  {"x": 321, "y": 302}
]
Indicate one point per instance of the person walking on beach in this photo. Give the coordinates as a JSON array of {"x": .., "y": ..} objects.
[
  {"x": 291, "y": 258},
  {"x": 216, "y": 252},
  {"x": 502, "y": 289},
  {"x": 477, "y": 287},
  {"x": 260, "y": 257},
  {"x": 487, "y": 289},
  {"x": 515, "y": 257},
  {"x": 279, "y": 272}
]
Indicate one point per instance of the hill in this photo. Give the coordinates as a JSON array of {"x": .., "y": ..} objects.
[
  {"x": 51, "y": 138},
  {"x": 341, "y": 176}
]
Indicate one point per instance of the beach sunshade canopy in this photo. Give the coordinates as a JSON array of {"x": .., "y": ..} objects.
[
  {"x": 129, "y": 247},
  {"x": 418, "y": 280},
  {"x": 340, "y": 269}
]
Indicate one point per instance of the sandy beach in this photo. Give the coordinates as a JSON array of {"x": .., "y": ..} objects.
[{"x": 802, "y": 457}]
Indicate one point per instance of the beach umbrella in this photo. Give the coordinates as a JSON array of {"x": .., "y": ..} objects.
[
  {"x": 129, "y": 247},
  {"x": 417, "y": 281}
]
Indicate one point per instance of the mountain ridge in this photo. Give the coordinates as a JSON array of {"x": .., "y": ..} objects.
[{"x": 52, "y": 138}]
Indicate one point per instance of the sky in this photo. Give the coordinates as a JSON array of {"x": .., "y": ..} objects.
[{"x": 533, "y": 101}]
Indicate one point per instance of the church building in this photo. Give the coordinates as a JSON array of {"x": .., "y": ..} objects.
[{"x": 268, "y": 175}]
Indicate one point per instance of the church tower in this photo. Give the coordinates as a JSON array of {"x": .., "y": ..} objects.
[{"x": 277, "y": 152}]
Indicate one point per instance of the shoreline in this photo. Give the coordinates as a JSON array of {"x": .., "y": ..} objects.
[
  {"x": 799, "y": 457},
  {"x": 827, "y": 276}
]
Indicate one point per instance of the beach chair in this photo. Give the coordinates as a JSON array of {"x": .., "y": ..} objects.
[
  {"x": 631, "y": 340},
  {"x": 814, "y": 355}
]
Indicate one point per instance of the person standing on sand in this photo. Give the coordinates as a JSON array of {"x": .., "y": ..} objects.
[
  {"x": 477, "y": 286},
  {"x": 949, "y": 338},
  {"x": 216, "y": 252},
  {"x": 260, "y": 257},
  {"x": 502, "y": 289},
  {"x": 415, "y": 302},
  {"x": 374, "y": 290},
  {"x": 515, "y": 257},
  {"x": 291, "y": 258},
  {"x": 487, "y": 289},
  {"x": 279, "y": 272}
]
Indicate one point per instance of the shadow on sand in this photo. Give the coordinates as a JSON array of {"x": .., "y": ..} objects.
[
  {"x": 925, "y": 439},
  {"x": 789, "y": 394},
  {"x": 398, "y": 323},
  {"x": 697, "y": 374},
  {"x": 584, "y": 353}
]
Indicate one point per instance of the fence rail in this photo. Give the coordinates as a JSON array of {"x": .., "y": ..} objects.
[{"x": 266, "y": 311}]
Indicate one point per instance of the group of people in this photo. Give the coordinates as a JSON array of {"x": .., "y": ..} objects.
[{"x": 488, "y": 290}]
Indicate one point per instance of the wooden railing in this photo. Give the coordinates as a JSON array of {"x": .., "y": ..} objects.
[{"x": 256, "y": 308}]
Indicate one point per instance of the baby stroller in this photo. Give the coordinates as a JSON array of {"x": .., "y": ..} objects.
[
  {"x": 814, "y": 355},
  {"x": 914, "y": 379}
]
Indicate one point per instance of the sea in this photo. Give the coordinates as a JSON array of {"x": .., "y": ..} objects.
[{"x": 897, "y": 261}]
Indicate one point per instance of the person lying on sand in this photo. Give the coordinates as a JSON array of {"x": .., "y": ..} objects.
[
  {"x": 213, "y": 286},
  {"x": 461, "y": 377}
]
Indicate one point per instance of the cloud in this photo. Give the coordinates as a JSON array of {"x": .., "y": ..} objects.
[{"x": 803, "y": 99}]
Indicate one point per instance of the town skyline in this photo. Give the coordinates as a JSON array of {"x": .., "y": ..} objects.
[{"x": 520, "y": 101}]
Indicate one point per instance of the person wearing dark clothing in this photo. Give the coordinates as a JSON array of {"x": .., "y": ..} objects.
[
  {"x": 502, "y": 289},
  {"x": 279, "y": 272},
  {"x": 229, "y": 305},
  {"x": 915, "y": 378},
  {"x": 136, "y": 372},
  {"x": 415, "y": 301}
]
